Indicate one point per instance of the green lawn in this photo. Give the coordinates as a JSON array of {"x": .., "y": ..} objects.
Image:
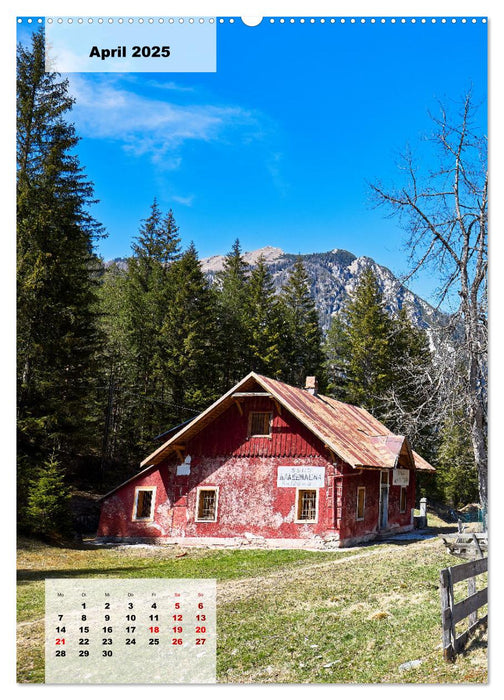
[{"x": 283, "y": 615}]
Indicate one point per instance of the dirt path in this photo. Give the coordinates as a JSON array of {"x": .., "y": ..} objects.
[
  {"x": 237, "y": 589},
  {"x": 230, "y": 591}
]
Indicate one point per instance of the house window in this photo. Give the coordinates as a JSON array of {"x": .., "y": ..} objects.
[
  {"x": 402, "y": 502},
  {"x": 307, "y": 501},
  {"x": 206, "y": 505},
  {"x": 259, "y": 424},
  {"x": 361, "y": 502},
  {"x": 144, "y": 503},
  {"x": 385, "y": 478}
]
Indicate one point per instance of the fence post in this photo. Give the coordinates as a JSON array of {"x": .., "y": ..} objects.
[
  {"x": 471, "y": 588},
  {"x": 446, "y": 615},
  {"x": 420, "y": 521}
]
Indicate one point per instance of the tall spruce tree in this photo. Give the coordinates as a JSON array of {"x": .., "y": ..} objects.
[
  {"x": 457, "y": 476},
  {"x": 409, "y": 400},
  {"x": 337, "y": 353},
  {"x": 303, "y": 349},
  {"x": 265, "y": 323},
  {"x": 231, "y": 286},
  {"x": 117, "y": 404},
  {"x": 149, "y": 294},
  {"x": 188, "y": 339},
  {"x": 55, "y": 287},
  {"x": 384, "y": 364},
  {"x": 369, "y": 331},
  {"x": 158, "y": 242}
]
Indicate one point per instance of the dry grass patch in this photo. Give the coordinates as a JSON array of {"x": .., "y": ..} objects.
[{"x": 30, "y": 652}]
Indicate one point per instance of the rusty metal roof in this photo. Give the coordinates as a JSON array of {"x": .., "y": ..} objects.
[{"x": 348, "y": 431}]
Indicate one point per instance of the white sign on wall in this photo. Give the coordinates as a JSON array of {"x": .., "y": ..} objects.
[
  {"x": 301, "y": 477},
  {"x": 185, "y": 468},
  {"x": 400, "y": 477}
]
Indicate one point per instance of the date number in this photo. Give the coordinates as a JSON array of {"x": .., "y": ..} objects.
[{"x": 150, "y": 51}]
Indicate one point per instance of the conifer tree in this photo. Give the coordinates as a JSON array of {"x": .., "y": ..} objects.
[
  {"x": 158, "y": 240},
  {"x": 369, "y": 333},
  {"x": 409, "y": 401},
  {"x": 265, "y": 324},
  {"x": 148, "y": 297},
  {"x": 303, "y": 350},
  {"x": 457, "y": 476},
  {"x": 384, "y": 364},
  {"x": 188, "y": 338},
  {"x": 48, "y": 511},
  {"x": 55, "y": 267},
  {"x": 117, "y": 405},
  {"x": 231, "y": 285},
  {"x": 336, "y": 352},
  {"x": 232, "y": 279}
]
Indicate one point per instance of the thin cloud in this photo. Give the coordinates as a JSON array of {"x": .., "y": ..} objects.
[
  {"x": 186, "y": 201},
  {"x": 170, "y": 85},
  {"x": 273, "y": 165},
  {"x": 153, "y": 127},
  {"x": 157, "y": 84}
]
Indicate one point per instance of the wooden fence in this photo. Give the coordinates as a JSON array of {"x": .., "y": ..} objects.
[{"x": 452, "y": 612}]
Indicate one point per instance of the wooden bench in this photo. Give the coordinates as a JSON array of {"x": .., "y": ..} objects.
[{"x": 469, "y": 545}]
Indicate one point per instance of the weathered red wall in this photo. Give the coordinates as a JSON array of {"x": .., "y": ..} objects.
[
  {"x": 395, "y": 516},
  {"x": 347, "y": 483},
  {"x": 249, "y": 501},
  {"x": 117, "y": 510}
]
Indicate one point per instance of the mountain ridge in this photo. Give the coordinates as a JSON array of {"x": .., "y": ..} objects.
[{"x": 333, "y": 275}]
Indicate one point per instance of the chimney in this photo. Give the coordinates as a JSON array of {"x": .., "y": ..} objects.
[{"x": 311, "y": 385}]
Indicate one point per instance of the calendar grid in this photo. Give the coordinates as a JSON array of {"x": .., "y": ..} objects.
[{"x": 130, "y": 631}]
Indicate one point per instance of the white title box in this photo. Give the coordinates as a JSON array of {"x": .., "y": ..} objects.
[{"x": 130, "y": 45}]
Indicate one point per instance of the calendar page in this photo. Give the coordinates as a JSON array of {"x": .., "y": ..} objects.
[{"x": 252, "y": 329}]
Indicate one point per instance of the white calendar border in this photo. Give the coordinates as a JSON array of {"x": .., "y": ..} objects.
[{"x": 205, "y": 8}]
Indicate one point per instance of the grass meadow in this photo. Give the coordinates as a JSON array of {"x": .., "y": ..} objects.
[{"x": 283, "y": 616}]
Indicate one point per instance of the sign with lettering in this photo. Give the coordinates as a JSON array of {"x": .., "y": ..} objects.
[
  {"x": 301, "y": 477},
  {"x": 400, "y": 477}
]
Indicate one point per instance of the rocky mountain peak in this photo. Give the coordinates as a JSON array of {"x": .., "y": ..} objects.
[
  {"x": 215, "y": 263},
  {"x": 334, "y": 276}
]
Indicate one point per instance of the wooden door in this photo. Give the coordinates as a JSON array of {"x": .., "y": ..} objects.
[{"x": 384, "y": 494}]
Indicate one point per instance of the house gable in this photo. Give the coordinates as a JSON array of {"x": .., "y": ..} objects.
[
  {"x": 229, "y": 434},
  {"x": 348, "y": 432}
]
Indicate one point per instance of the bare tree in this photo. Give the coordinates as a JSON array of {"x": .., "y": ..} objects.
[{"x": 445, "y": 213}]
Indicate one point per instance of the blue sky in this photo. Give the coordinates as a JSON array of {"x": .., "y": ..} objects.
[{"x": 278, "y": 147}]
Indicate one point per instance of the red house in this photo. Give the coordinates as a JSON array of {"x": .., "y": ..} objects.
[{"x": 270, "y": 463}]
